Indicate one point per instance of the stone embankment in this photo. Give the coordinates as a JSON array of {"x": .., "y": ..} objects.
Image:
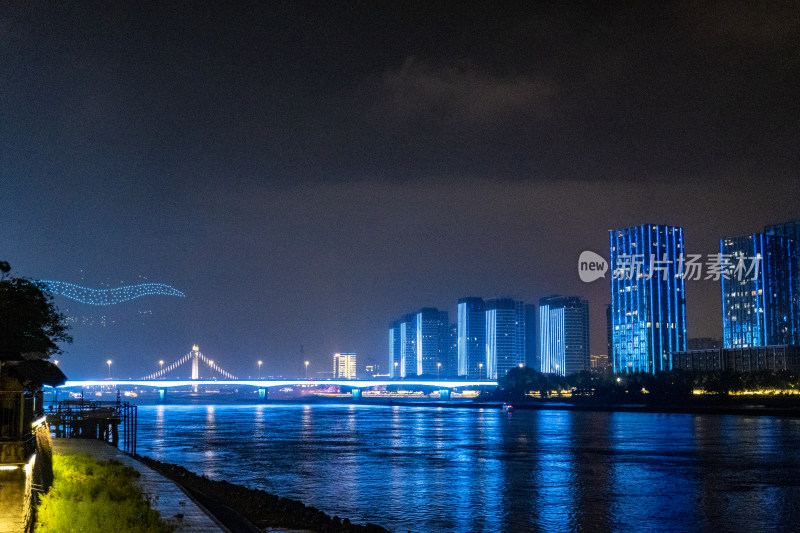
[{"x": 249, "y": 510}]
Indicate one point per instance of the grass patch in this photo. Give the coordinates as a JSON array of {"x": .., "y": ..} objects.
[{"x": 89, "y": 495}]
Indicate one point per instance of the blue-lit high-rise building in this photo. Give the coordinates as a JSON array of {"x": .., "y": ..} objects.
[
  {"x": 786, "y": 291},
  {"x": 419, "y": 344},
  {"x": 432, "y": 341},
  {"x": 408, "y": 346},
  {"x": 451, "y": 363},
  {"x": 471, "y": 338},
  {"x": 505, "y": 336},
  {"x": 532, "y": 358},
  {"x": 394, "y": 350},
  {"x": 744, "y": 307},
  {"x": 609, "y": 334},
  {"x": 648, "y": 301},
  {"x": 564, "y": 335},
  {"x": 760, "y": 288}
]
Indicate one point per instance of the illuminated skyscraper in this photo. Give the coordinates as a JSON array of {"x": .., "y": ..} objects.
[
  {"x": 564, "y": 335},
  {"x": 471, "y": 338},
  {"x": 648, "y": 303},
  {"x": 451, "y": 363},
  {"x": 744, "y": 306},
  {"x": 520, "y": 333},
  {"x": 432, "y": 340},
  {"x": 394, "y": 350},
  {"x": 759, "y": 289},
  {"x": 408, "y": 346},
  {"x": 420, "y": 344},
  {"x": 532, "y": 358},
  {"x": 505, "y": 336},
  {"x": 344, "y": 366},
  {"x": 785, "y": 295},
  {"x": 609, "y": 334}
]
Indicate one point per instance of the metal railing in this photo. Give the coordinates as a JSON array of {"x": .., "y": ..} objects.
[{"x": 113, "y": 422}]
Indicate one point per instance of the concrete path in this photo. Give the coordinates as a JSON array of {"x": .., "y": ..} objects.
[{"x": 174, "y": 505}]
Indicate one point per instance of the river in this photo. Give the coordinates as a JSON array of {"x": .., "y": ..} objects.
[{"x": 439, "y": 469}]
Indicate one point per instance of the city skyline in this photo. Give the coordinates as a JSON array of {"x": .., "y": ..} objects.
[
  {"x": 306, "y": 173},
  {"x": 414, "y": 318}
]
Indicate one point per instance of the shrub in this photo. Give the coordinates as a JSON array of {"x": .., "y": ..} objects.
[{"x": 89, "y": 495}]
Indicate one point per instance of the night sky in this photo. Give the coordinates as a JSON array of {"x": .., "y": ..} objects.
[{"x": 305, "y": 173}]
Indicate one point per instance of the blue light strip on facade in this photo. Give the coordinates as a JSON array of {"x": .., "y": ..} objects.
[
  {"x": 394, "y": 350},
  {"x": 491, "y": 343},
  {"x": 544, "y": 338},
  {"x": 762, "y": 283},
  {"x": 462, "y": 338},
  {"x": 559, "y": 363}
]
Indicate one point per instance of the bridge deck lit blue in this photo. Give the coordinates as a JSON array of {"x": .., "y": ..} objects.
[{"x": 266, "y": 383}]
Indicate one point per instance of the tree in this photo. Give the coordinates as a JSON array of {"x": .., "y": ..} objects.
[
  {"x": 29, "y": 321},
  {"x": 519, "y": 381}
]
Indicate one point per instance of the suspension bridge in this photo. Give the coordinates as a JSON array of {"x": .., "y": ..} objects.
[{"x": 195, "y": 358}]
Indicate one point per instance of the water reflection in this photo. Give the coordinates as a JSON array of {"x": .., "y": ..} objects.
[
  {"x": 434, "y": 469},
  {"x": 590, "y": 438},
  {"x": 753, "y": 482},
  {"x": 158, "y": 434}
]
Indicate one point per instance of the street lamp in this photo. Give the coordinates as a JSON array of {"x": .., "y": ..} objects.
[
  {"x": 395, "y": 368},
  {"x": 306, "y": 369},
  {"x": 438, "y": 367},
  {"x": 109, "y": 368},
  {"x": 259, "y": 369},
  {"x": 480, "y": 370},
  {"x": 55, "y": 362},
  {"x": 161, "y": 365}
]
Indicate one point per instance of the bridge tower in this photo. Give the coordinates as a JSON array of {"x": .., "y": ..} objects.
[
  {"x": 195, "y": 362},
  {"x": 195, "y": 357}
]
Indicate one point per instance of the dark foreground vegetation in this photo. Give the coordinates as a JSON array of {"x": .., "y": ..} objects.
[
  {"x": 92, "y": 495},
  {"x": 676, "y": 387},
  {"x": 242, "y": 509}
]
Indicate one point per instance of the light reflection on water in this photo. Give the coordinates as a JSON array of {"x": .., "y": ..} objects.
[{"x": 437, "y": 469}]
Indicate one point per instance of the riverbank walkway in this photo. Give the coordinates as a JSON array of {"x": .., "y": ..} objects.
[{"x": 174, "y": 505}]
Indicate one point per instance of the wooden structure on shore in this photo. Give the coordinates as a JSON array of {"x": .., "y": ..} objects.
[
  {"x": 25, "y": 455},
  {"x": 112, "y": 422}
]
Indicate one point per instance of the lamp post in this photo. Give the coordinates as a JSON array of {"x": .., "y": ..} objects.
[
  {"x": 395, "y": 368},
  {"x": 259, "y": 369},
  {"x": 161, "y": 365},
  {"x": 109, "y": 368},
  {"x": 438, "y": 367},
  {"x": 306, "y": 369},
  {"x": 480, "y": 370}
]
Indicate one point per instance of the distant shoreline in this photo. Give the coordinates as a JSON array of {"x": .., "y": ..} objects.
[
  {"x": 755, "y": 410},
  {"x": 740, "y": 409}
]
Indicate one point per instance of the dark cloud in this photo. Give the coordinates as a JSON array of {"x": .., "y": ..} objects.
[
  {"x": 416, "y": 93},
  {"x": 307, "y": 171}
]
